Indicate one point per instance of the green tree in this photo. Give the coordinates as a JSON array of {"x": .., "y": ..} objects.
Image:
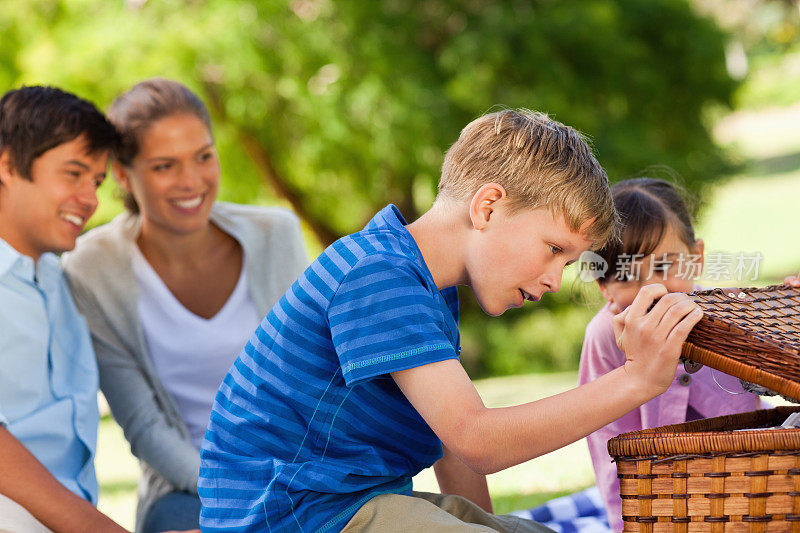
[{"x": 341, "y": 107}]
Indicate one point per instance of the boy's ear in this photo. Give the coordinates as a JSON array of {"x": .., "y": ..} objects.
[
  {"x": 121, "y": 175},
  {"x": 483, "y": 204}
]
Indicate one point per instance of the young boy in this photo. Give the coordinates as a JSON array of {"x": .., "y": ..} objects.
[
  {"x": 351, "y": 384},
  {"x": 53, "y": 152}
]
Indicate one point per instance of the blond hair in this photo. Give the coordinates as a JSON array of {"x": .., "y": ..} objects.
[{"x": 539, "y": 162}]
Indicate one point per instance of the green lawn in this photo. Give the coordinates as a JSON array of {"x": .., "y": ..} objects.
[
  {"x": 757, "y": 210},
  {"x": 117, "y": 472},
  {"x": 563, "y": 470}
]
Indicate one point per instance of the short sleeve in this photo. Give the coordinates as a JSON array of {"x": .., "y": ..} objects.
[{"x": 384, "y": 318}]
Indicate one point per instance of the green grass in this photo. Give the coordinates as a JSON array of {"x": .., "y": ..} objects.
[
  {"x": 564, "y": 470},
  {"x": 117, "y": 473},
  {"x": 515, "y": 502},
  {"x": 756, "y": 210}
]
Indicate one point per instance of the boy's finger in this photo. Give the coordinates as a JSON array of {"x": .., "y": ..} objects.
[
  {"x": 681, "y": 306},
  {"x": 664, "y": 305},
  {"x": 647, "y": 295},
  {"x": 682, "y": 329},
  {"x": 619, "y": 325},
  {"x": 794, "y": 281}
]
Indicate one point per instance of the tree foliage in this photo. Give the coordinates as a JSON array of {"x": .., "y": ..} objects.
[{"x": 340, "y": 107}]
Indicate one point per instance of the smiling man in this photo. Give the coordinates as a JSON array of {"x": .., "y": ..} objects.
[{"x": 54, "y": 148}]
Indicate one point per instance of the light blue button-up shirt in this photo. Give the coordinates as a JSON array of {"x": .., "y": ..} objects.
[{"x": 48, "y": 373}]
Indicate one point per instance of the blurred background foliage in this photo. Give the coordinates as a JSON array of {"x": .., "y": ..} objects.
[{"x": 336, "y": 108}]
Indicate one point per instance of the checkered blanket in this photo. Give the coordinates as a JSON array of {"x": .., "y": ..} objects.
[{"x": 582, "y": 512}]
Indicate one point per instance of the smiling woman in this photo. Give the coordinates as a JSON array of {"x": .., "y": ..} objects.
[
  {"x": 173, "y": 289},
  {"x": 175, "y": 175}
]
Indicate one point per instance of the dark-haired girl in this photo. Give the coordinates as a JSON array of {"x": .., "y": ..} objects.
[{"x": 658, "y": 246}]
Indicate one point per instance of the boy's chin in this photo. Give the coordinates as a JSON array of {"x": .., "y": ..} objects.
[
  {"x": 492, "y": 303},
  {"x": 492, "y": 310}
]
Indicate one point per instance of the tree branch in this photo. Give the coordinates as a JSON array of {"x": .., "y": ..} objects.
[{"x": 263, "y": 161}]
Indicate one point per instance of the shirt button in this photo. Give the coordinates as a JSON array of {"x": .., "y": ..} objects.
[{"x": 685, "y": 380}]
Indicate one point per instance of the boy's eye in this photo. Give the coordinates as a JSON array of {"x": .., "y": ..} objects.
[
  {"x": 555, "y": 250},
  {"x": 205, "y": 156},
  {"x": 161, "y": 167}
]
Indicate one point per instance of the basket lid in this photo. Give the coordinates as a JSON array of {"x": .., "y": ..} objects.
[
  {"x": 721, "y": 434},
  {"x": 752, "y": 334}
]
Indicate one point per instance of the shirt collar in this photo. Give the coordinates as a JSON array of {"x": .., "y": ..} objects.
[
  {"x": 9, "y": 257},
  {"x": 388, "y": 216},
  {"x": 44, "y": 271},
  {"x": 48, "y": 269}
]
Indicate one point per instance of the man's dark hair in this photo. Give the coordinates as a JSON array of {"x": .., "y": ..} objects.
[{"x": 36, "y": 119}]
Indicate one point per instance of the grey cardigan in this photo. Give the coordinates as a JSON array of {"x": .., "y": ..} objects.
[{"x": 100, "y": 274}]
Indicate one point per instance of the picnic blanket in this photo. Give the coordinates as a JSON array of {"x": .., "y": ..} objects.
[{"x": 581, "y": 512}]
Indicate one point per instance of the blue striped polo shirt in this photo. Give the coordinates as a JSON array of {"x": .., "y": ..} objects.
[{"x": 308, "y": 424}]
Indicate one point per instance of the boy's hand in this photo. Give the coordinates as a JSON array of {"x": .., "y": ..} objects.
[
  {"x": 490, "y": 439},
  {"x": 652, "y": 340},
  {"x": 794, "y": 281}
]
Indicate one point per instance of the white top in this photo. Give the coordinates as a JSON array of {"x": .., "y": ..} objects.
[
  {"x": 100, "y": 274},
  {"x": 192, "y": 354}
]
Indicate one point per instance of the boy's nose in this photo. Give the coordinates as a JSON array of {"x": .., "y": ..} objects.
[{"x": 553, "y": 283}]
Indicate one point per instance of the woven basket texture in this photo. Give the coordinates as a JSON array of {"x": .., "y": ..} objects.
[
  {"x": 752, "y": 334},
  {"x": 703, "y": 476}
]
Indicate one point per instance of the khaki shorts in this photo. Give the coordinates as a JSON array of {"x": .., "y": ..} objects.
[
  {"x": 14, "y": 518},
  {"x": 423, "y": 512}
]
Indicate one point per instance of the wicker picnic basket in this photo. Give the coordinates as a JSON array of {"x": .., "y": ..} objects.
[
  {"x": 752, "y": 334},
  {"x": 724, "y": 474}
]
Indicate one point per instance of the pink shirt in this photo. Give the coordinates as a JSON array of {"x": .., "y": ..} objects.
[{"x": 601, "y": 355}]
